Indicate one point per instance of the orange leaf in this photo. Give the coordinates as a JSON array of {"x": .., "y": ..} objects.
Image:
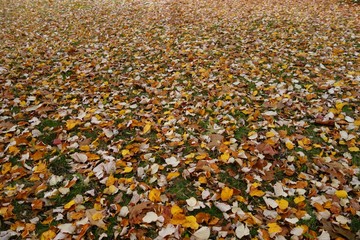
[
  {"x": 154, "y": 195},
  {"x": 178, "y": 219},
  {"x": 38, "y": 155},
  {"x": 226, "y": 193},
  {"x": 256, "y": 193},
  {"x": 13, "y": 150},
  {"x": 37, "y": 204},
  {"x": 5, "y": 168},
  {"x": 92, "y": 156}
]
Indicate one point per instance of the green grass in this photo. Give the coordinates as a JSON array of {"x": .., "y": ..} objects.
[
  {"x": 181, "y": 189},
  {"x": 60, "y": 166},
  {"x": 22, "y": 210},
  {"x": 241, "y": 132},
  {"x": 312, "y": 223},
  {"x": 230, "y": 181},
  {"x": 356, "y": 158},
  {"x": 213, "y": 211},
  {"x": 355, "y": 224}
]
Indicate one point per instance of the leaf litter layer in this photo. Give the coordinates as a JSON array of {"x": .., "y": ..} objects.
[{"x": 179, "y": 119}]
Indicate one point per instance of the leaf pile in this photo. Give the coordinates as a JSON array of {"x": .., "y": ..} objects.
[{"x": 179, "y": 119}]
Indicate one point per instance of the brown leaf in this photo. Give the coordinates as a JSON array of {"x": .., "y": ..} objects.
[
  {"x": 138, "y": 211},
  {"x": 216, "y": 140},
  {"x": 266, "y": 149},
  {"x": 337, "y": 231}
]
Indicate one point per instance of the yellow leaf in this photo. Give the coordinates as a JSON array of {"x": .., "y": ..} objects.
[
  {"x": 69, "y": 204},
  {"x": 48, "y": 235},
  {"x": 289, "y": 145},
  {"x": 85, "y": 148},
  {"x": 154, "y": 195},
  {"x": 97, "y": 206},
  {"x": 338, "y": 84},
  {"x": 274, "y": 228},
  {"x": 147, "y": 128},
  {"x": 341, "y": 194},
  {"x": 202, "y": 179},
  {"x": 13, "y": 150},
  {"x": 5, "y": 168},
  {"x": 270, "y": 134},
  {"x": 41, "y": 167},
  {"x": 125, "y": 152},
  {"x": 252, "y": 133},
  {"x": 225, "y": 157},
  {"x": 172, "y": 175},
  {"x": 201, "y": 156},
  {"x": 71, "y": 123},
  {"x": 175, "y": 210},
  {"x": 357, "y": 122},
  {"x": 339, "y": 105},
  {"x": 111, "y": 190},
  {"x": 299, "y": 199},
  {"x": 256, "y": 193},
  {"x": 191, "y": 155},
  {"x": 354, "y": 149},
  {"x": 110, "y": 181},
  {"x": 127, "y": 169},
  {"x": 226, "y": 193},
  {"x": 283, "y": 204},
  {"x": 97, "y": 216},
  {"x": 190, "y": 222}
]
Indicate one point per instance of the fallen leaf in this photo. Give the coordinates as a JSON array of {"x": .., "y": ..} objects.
[
  {"x": 202, "y": 234},
  {"x": 150, "y": 217},
  {"x": 283, "y": 204},
  {"x": 154, "y": 195},
  {"x": 341, "y": 194},
  {"x": 190, "y": 222},
  {"x": 147, "y": 128},
  {"x": 48, "y": 235},
  {"x": 226, "y": 193},
  {"x": 242, "y": 230},
  {"x": 274, "y": 228}
]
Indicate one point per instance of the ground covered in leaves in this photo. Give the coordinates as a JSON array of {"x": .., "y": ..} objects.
[{"x": 186, "y": 119}]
